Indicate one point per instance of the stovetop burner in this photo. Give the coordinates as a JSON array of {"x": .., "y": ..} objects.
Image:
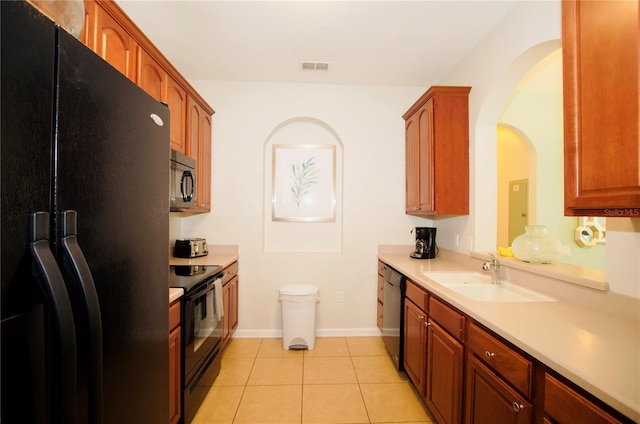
[{"x": 189, "y": 276}]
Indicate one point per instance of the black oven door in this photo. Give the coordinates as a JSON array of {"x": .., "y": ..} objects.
[{"x": 202, "y": 331}]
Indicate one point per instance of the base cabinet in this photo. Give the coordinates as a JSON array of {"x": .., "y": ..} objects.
[
  {"x": 489, "y": 400},
  {"x": 563, "y": 405},
  {"x": 468, "y": 374},
  {"x": 379, "y": 315},
  {"x": 175, "y": 392},
  {"x": 445, "y": 356},
  {"x": 230, "y": 302}
]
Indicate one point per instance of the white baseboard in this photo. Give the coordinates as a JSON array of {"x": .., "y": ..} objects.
[{"x": 321, "y": 332}]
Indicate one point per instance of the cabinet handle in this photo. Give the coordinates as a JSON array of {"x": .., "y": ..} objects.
[
  {"x": 517, "y": 407},
  {"x": 489, "y": 355},
  {"x": 420, "y": 317},
  {"x": 427, "y": 323}
]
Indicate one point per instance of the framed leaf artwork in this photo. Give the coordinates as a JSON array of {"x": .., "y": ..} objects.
[{"x": 304, "y": 182}]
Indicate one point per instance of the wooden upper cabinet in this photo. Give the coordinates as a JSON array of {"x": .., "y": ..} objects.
[
  {"x": 600, "y": 42},
  {"x": 152, "y": 78},
  {"x": 115, "y": 44},
  {"x": 177, "y": 102},
  {"x": 199, "y": 148},
  {"x": 111, "y": 34},
  {"x": 437, "y": 153},
  {"x": 204, "y": 190}
]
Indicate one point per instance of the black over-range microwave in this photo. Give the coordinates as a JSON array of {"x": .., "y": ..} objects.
[{"x": 182, "y": 194}]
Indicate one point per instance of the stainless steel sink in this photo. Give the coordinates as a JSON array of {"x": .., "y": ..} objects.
[{"x": 477, "y": 286}]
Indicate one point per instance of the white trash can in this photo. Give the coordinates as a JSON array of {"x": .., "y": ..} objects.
[{"x": 299, "y": 315}]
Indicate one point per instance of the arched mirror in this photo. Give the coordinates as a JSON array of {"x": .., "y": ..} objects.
[{"x": 530, "y": 174}]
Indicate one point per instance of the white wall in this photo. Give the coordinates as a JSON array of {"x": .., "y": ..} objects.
[
  {"x": 368, "y": 121},
  {"x": 494, "y": 69}
]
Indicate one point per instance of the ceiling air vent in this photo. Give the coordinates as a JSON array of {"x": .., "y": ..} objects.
[{"x": 315, "y": 66}]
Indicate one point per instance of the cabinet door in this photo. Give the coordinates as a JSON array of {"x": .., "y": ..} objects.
[
  {"x": 489, "y": 400},
  {"x": 177, "y": 102},
  {"x": 426, "y": 155},
  {"x": 175, "y": 392},
  {"x": 152, "y": 77},
  {"x": 233, "y": 305},
  {"x": 602, "y": 150},
  {"x": 115, "y": 45},
  {"x": 199, "y": 148},
  {"x": 226, "y": 298},
  {"x": 194, "y": 112},
  {"x": 415, "y": 344},
  {"x": 412, "y": 164},
  {"x": 204, "y": 158},
  {"x": 444, "y": 375}
]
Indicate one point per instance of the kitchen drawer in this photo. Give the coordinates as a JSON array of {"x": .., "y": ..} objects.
[
  {"x": 447, "y": 317},
  {"x": 417, "y": 295},
  {"x": 565, "y": 405},
  {"x": 230, "y": 272},
  {"x": 514, "y": 367},
  {"x": 174, "y": 315},
  {"x": 380, "y": 267},
  {"x": 380, "y": 288}
]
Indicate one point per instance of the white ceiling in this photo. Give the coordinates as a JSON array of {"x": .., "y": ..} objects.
[{"x": 385, "y": 43}]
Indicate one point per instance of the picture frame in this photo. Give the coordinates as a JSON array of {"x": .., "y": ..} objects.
[{"x": 304, "y": 182}]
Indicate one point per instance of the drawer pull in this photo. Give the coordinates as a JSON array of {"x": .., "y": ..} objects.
[
  {"x": 420, "y": 317},
  {"x": 517, "y": 407},
  {"x": 488, "y": 354}
]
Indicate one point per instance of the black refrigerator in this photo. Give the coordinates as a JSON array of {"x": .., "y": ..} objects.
[{"x": 85, "y": 233}]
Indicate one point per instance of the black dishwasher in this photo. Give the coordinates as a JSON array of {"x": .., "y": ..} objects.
[{"x": 393, "y": 314}]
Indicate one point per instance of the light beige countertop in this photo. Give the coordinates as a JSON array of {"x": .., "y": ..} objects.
[
  {"x": 223, "y": 255},
  {"x": 595, "y": 346},
  {"x": 175, "y": 294}
]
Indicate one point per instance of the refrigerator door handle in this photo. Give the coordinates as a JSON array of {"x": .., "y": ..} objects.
[
  {"x": 76, "y": 266},
  {"x": 62, "y": 338}
]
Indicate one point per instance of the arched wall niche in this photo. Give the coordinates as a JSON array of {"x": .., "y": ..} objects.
[{"x": 298, "y": 235}]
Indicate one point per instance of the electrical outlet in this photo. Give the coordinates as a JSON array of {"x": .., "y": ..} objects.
[{"x": 340, "y": 296}]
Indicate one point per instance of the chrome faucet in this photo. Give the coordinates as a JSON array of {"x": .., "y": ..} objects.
[{"x": 495, "y": 266}]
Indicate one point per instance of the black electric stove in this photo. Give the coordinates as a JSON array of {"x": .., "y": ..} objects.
[{"x": 188, "y": 277}]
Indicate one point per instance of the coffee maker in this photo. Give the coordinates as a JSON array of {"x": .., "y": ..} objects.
[{"x": 426, "y": 247}]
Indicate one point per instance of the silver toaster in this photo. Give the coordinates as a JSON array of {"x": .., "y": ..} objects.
[{"x": 190, "y": 248}]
